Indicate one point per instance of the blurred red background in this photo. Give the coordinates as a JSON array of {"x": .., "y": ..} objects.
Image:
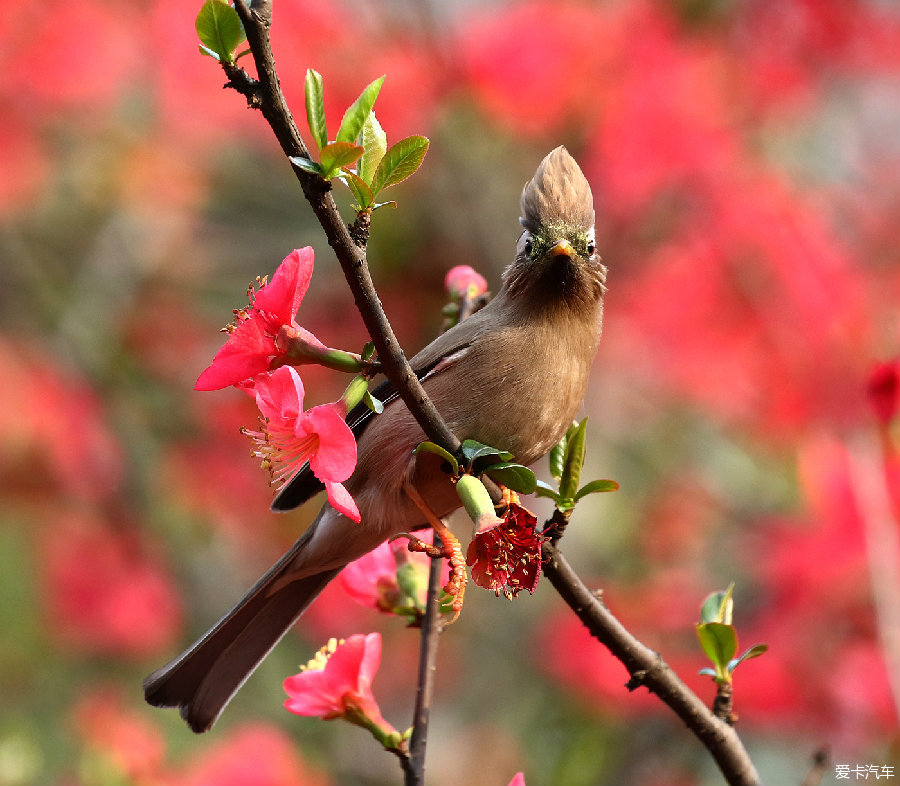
[{"x": 744, "y": 155}]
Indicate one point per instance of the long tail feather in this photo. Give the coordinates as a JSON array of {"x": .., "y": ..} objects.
[{"x": 202, "y": 680}]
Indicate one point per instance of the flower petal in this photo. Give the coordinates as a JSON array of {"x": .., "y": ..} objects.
[
  {"x": 339, "y": 498},
  {"x": 335, "y": 459},
  {"x": 245, "y": 354},
  {"x": 284, "y": 293},
  {"x": 279, "y": 394}
]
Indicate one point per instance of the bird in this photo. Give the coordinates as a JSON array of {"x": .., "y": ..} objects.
[{"x": 513, "y": 375}]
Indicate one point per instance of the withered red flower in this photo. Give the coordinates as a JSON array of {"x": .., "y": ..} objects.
[{"x": 506, "y": 556}]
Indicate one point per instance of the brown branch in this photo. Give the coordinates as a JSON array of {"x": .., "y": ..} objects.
[
  {"x": 351, "y": 255},
  {"x": 648, "y": 669}
]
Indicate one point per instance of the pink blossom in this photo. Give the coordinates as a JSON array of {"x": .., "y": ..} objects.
[
  {"x": 289, "y": 437},
  {"x": 383, "y": 578},
  {"x": 464, "y": 280},
  {"x": 518, "y": 779},
  {"x": 251, "y": 347},
  {"x": 337, "y": 683}
]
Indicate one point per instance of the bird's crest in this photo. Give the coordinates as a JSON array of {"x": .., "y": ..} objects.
[{"x": 559, "y": 193}]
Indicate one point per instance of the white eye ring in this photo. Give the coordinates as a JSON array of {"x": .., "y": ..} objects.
[{"x": 524, "y": 245}]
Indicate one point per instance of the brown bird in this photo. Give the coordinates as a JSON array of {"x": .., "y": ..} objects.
[{"x": 513, "y": 375}]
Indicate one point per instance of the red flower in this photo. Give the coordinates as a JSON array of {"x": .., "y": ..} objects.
[
  {"x": 883, "y": 390},
  {"x": 337, "y": 683},
  {"x": 251, "y": 347},
  {"x": 290, "y": 437},
  {"x": 506, "y": 557},
  {"x": 464, "y": 280}
]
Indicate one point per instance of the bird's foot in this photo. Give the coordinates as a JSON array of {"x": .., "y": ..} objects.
[{"x": 450, "y": 549}]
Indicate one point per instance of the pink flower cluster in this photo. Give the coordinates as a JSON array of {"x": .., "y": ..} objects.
[{"x": 255, "y": 358}]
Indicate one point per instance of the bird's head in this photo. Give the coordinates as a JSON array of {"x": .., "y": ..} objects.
[{"x": 556, "y": 256}]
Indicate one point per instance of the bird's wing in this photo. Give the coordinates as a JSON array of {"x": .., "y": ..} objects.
[{"x": 445, "y": 349}]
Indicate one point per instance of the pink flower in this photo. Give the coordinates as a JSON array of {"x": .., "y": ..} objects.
[
  {"x": 391, "y": 579},
  {"x": 251, "y": 347},
  {"x": 463, "y": 280},
  {"x": 289, "y": 437},
  {"x": 518, "y": 779},
  {"x": 337, "y": 683},
  {"x": 506, "y": 557}
]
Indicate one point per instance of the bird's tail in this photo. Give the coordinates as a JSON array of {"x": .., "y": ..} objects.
[{"x": 202, "y": 680}]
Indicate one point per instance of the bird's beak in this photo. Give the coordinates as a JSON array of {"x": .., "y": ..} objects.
[{"x": 562, "y": 248}]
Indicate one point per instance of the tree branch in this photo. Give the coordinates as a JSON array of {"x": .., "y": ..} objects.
[
  {"x": 649, "y": 670},
  {"x": 269, "y": 98}
]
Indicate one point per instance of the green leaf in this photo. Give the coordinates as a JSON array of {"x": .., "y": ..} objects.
[
  {"x": 718, "y": 607},
  {"x": 573, "y": 460},
  {"x": 336, "y": 155},
  {"x": 719, "y": 642},
  {"x": 754, "y": 652},
  {"x": 306, "y": 165},
  {"x": 373, "y": 403},
  {"x": 473, "y": 450},
  {"x": 557, "y": 455},
  {"x": 358, "y": 111},
  {"x": 205, "y": 50},
  {"x": 399, "y": 162},
  {"x": 374, "y": 140},
  {"x": 707, "y": 671},
  {"x": 596, "y": 487},
  {"x": 514, "y": 476},
  {"x": 546, "y": 490},
  {"x": 430, "y": 447},
  {"x": 315, "y": 108},
  {"x": 219, "y": 29},
  {"x": 368, "y": 351},
  {"x": 359, "y": 188}
]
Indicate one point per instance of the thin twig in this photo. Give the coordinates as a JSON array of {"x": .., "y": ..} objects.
[{"x": 414, "y": 769}]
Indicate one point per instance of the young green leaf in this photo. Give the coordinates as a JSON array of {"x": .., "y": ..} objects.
[
  {"x": 400, "y": 161},
  {"x": 373, "y": 403},
  {"x": 219, "y": 29},
  {"x": 374, "y": 140},
  {"x": 718, "y": 607},
  {"x": 513, "y": 476},
  {"x": 543, "y": 489},
  {"x": 336, "y": 155},
  {"x": 719, "y": 642},
  {"x": 754, "y": 652},
  {"x": 359, "y": 188},
  {"x": 358, "y": 111},
  {"x": 557, "y": 455},
  {"x": 595, "y": 487},
  {"x": 573, "y": 461},
  {"x": 430, "y": 447},
  {"x": 306, "y": 165},
  {"x": 315, "y": 108}
]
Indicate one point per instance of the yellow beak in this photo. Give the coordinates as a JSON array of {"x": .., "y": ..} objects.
[{"x": 562, "y": 248}]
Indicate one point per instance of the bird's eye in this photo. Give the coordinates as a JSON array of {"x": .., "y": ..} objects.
[
  {"x": 528, "y": 247},
  {"x": 591, "y": 248}
]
